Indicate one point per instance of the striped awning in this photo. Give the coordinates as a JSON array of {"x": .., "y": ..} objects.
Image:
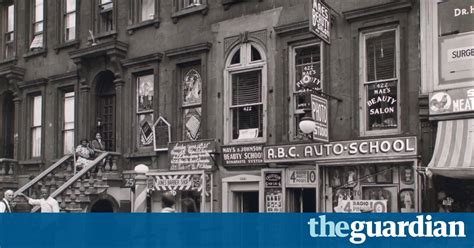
[{"x": 453, "y": 155}]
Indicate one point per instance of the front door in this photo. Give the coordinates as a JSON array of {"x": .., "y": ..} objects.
[{"x": 106, "y": 114}]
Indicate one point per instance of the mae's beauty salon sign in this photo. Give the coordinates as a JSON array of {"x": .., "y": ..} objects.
[{"x": 372, "y": 148}]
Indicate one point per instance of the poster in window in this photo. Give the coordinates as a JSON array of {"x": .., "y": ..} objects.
[
  {"x": 145, "y": 93},
  {"x": 382, "y": 102},
  {"x": 273, "y": 200},
  {"x": 339, "y": 197},
  {"x": 381, "y": 193},
  {"x": 367, "y": 174},
  {"x": 145, "y": 124},
  {"x": 384, "y": 174},
  {"x": 407, "y": 174},
  {"x": 192, "y": 123},
  {"x": 161, "y": 134},
  {"x": 192, "y": 84},
  {"x": 407, "y": 201},
  {"x": 335, "y": 177},
  {"x": 350, "y": 176}
]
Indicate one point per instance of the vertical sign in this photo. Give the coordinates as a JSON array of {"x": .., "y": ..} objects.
[
  {"x": 320, "y": 21},
  {"x": 319, "y": 110},
  {"x": 273, "y": 191}
]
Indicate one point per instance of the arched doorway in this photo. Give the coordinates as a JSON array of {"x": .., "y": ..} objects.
[
  {"x": 102, "y": 206},
  {"x": 105, "y": 108},
  {"x": 8, "y": 120}
]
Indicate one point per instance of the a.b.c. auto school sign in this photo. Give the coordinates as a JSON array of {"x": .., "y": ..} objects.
[{"x": 355, "y": 149}]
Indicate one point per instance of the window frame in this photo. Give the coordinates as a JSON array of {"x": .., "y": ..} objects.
[
  {"x": 33, "y": 22},
  {"x": 33, "y": 127},
  {"x": 136, "y": 76},
  {"x": 99, "y": 25},
  {"x": 8, "y": 42},
  {"x": 63, "y": 22},
  {"x": 183, "y": 69},
  {"x": 180, "y": 10},
  {"x": 364, "y": 83},
  {"x": 63, "y": 97},
  {"x": 293, "y": 126},
  {"x": 245, "y": 65}
]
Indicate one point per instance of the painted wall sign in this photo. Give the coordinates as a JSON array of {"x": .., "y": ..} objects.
[
  {"x": 242, "y": 155},
  {"x": 456, "y": 59},
  {"x": 193, "y": 155},
  {"x": 452, "y": 101},
  {"x": 319, "y": 111},
  {"x": 300, "y": 178},
  {"x": 273, "y": 179},
  {"x": 320, "y": 21},
  {"x": 373, "y": 148}
]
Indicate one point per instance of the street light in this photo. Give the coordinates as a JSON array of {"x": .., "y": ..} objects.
[{"x": 307, "y": 124}]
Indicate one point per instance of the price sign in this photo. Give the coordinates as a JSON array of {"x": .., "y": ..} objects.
[{"x": 300, "y": 178}]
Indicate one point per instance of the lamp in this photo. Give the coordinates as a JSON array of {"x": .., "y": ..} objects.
[{"x": 307, "y": 124}]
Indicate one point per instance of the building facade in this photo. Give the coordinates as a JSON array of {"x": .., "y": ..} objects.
[{"x": 209, "y": 94}]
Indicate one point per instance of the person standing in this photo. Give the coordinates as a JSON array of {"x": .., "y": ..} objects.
[
  {"x": 168, "y": 201},
  {"x": 98, "y": 144},
  {"x": 5, "y": 204},
  {"x": 47, "y": 203}
]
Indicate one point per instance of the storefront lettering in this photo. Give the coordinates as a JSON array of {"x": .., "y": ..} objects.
[
  {"x": 243, "y": 155},
  {"x": 302, "y": 152},
  {"x": 464, "y": 11},
  {"x": 191, "y": 155},
  {"x": 460, "y": 105}
]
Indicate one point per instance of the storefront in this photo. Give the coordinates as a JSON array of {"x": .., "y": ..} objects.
[
  {"x": 189, "y": 179},
  {"x": 376, "y": 175}
]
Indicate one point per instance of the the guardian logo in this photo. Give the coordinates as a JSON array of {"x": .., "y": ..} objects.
[{"x": 359, "y": 231}]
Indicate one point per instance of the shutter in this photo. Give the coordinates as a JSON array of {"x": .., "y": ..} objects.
[{"x": 246, "y": 88}]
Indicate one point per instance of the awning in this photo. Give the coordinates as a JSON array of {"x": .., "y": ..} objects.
[{"x": 453, "y": 154}]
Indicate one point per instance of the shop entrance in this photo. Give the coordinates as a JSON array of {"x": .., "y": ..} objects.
[
  {"x": 301, "y": 200},
  {"x": 245, "y": 202},
  {"x": 241, "y": 194},
  {"x": 454, "y": 194}
]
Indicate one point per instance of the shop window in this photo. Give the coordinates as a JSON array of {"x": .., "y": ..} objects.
[
  {"x": 105, "y": 16},
  {"x": 8, "y": 14},
  {"x": 191, "y": 103},
  {"x": 69, "y": 20},
  {"x": 145, "y": 101},
  {"x": 245, "y": 101},
  {"x": 380, "y": 82},
  {"x": 306, "y": 73},
  {"x": 36, "y": 125},
  {"x": 37, "y": 31},
  {"x": 68, "y": 122}
]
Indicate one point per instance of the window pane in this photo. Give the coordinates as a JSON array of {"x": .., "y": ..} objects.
[
  {"x": 68, "y": 142},
  {"x": 11, "y": 18},
  {"x": 70, "y": 6},
  {"x": 236, "y": 58},
  {"x": 37, "y": 111},
  {"x": 247, "y": 122},
  {"x": 36, "y": 142},
  {"x": 255, "y": 54},
  {"x": 192, "y": 84},
  {"x": 37, "y": 41},
  {"x": 192, "y": 123},
  {"x": 69, "y": 108},
  {"x": 382, "y": 105},
  {"x": 38, "y": 27},
  {"x": 246, "y": 88},
  {"x": 307, "y": 68},
  {"x": 145, "y": 96},
  {"x": 148, "y": 10},
  {"x": 145, "y": 131},
  {"x": 380, "y": 55},
  {"x": 70, "y": 25},
  {"x": 38, "y": 10}
]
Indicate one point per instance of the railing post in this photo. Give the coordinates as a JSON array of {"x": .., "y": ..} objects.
[{"x": 139, "y": 205}]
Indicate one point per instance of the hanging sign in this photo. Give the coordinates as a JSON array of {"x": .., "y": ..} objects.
[
  {"x": 319, "y": 110},
  {"x": 193, "y": 155},
  {"x": 320, "y": 21}
]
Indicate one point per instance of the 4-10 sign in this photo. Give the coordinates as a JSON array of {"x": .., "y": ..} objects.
[{"x": 300, "y": 178}]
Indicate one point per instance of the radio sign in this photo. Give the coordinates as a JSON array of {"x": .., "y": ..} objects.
[
  {"x": 319, "y": 110},
  {"x": 320, "y": 21}
]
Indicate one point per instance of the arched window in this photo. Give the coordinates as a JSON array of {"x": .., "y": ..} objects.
[{"x": 245, "y": 78}]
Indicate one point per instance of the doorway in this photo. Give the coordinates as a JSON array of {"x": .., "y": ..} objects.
[
  {"x": 8, "y": 120},
  {"x": 241, "y": 194},
  {"x": 102, "y": 206},
  {"x": 105, "y": 109}
]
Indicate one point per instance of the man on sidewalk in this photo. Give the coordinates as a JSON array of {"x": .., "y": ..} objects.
[
  {"x": 5, "y": 204},
  {"x": 48, "y": 204}
]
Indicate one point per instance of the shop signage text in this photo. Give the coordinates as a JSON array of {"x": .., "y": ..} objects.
[
  {"x": 273, "y": 179},
  {"x": 128, "y": 180},
  {"x": 242, "y": 155},
  {"x": 320, "y": 21},
  {"x": 362, "y": 206},
  {"x": 300, "y": 178},
  {"x": 452, "y": 101},
  {"x": 341, "y": 150},
  {"x": 192, "y": 155}
]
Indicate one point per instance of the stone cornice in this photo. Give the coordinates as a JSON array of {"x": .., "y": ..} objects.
[
  {"x": 137, "y": 61},
  {"x": 33, "y": 83},
  {"x": 292, "y": 27},
  {"x": 109, "y": 48},
  {"x": 392, "y": 7},
  {"x": 197, "y": 48}
]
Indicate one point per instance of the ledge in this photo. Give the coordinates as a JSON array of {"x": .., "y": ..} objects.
[
  {"x": 150, "y": 58},
  {"x": 74, "y": 43},
  {"x": 31, "y": 162},
  {"x": 104, "y": 35},
  {"x": 39, "y": 52},
  {"x": 63, "y": 76},
  {"x": 32, "y": 83},
  {"x": 112, "y": 47},
  {"x": 10, "y": 61},
  {"x": 132, "y": 28},
  {"x": 198, "y": 48},
  {"x": 396, "y": 6},
  {"x": 11, "y": 71},
  {"x": 187, "y": 11},
  {"x": 292, "y": 27},
  {"x": 136, "y": 155}
]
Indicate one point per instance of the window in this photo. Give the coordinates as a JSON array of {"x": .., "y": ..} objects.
[
  {"x": 36, "y": 114},
  {"x": 68, "y": 123},
  {"x": 145, "y": 95},
  {"x": 191, "y": 102},
  {"x": 143, "y": 13},
  {"x": 380, "y": 82},
  {"x": 37, "y": 25},
  {"x": 306, "y": 72},
  {"x": 147, "y": 10},
  {"x": 245, "y": 118},
  {"x": 9, "y": 31},
  {"x": 185, "y": 7},
  {"x": 106, "y": 16},
  {"x": 69, "y": 20}
]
